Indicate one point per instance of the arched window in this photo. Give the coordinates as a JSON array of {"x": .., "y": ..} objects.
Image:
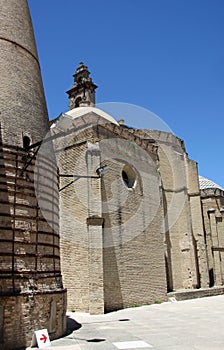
[
  {"x": 129, "y": 176},
  {"x": 77, "y": 101}
]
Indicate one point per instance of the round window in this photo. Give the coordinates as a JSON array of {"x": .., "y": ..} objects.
[{"x": 128, "y": 176}]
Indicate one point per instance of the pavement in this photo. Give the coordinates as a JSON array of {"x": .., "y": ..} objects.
[{"x": 195, "y": 324}]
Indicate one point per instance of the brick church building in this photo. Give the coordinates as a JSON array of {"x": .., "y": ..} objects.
[
  {"x": 94, "y": 214},
  {"x": 136, "y": 221}
]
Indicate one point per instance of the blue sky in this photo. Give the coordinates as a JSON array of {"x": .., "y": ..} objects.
[{"x": 164, "y": 55}]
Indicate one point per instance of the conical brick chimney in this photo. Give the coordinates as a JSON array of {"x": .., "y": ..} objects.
[
  {"x": 31, "y": 292},
  {"x": 22, "y": 102}
]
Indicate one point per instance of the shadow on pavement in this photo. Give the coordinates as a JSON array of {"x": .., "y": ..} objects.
[{"x": 72, "y": 325}]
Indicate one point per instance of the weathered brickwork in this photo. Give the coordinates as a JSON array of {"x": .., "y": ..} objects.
[
  {"x": 29, "y": 249},
  {"x": 112, "y": 254},
  {"x": 213, "y": 217},
  {"x": 197, "y": 225},
  {"x": 186, "y": 259},
  {"x": 24, "y": 313},
  {"x": 118, "y": 237},
  {"x": 22, "y": 101},
  {"x": 136, "y": 231},
  {"x": 131, "y": 222},
  {"x": 31, "y": 290}
]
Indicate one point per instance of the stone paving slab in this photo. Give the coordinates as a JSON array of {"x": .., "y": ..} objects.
[{"x": 195, "y": 324}]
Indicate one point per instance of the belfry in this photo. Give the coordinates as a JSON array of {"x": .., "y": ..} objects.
[{"x": 82, "y": 93}]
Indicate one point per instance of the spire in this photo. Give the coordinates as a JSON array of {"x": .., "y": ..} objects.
[
  {"x": 82, "y": 92},
  {"x": 23, "y": 110}
]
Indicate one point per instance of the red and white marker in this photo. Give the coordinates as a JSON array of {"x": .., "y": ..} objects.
[{"x": 41, "y": 338}]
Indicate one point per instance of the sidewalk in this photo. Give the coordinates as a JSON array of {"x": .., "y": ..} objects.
[{"x": 184, "y": 325}]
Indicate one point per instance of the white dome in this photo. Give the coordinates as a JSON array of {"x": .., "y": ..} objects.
[
  {"x": 81, "y": 111},
  {"x": 67, "y": 120},
  {"x": 206, "y": 183}
]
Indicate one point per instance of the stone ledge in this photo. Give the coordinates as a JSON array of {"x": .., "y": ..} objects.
[
  {"x": 95, "y": 221},
  {"x": 17, "y": 294},
  {"x": 196, "y": 293}
]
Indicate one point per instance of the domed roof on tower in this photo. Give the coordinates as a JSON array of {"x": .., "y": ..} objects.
[{"x": 82, "y": 93}]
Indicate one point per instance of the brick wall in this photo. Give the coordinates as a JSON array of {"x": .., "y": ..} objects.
[
  {"x": 185, "y": 246},
  {"x": 29, "y": 251},
  {"x": 213, "y": 220},
  {"x": 22, "y": 101},
  {"x": 130, "y": 270},
  {"x": 21, "y": 315}
]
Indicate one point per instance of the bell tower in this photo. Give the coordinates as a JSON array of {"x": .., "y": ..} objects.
[{"x": 82, "y": 93}]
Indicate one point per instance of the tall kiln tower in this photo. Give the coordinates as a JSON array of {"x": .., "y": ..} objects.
[{"x": 31, "y": 292}]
